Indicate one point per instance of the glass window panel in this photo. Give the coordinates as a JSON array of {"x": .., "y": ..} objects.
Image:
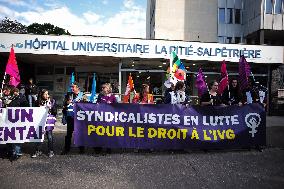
[
  {"x": 229, "y": 39},
  {"x": 59, "y": 70},
  {"x": 237, "y": 16},
  {"x": 45, "y": 85},
  {"x": 237, "y": 40},
  {"x": 45, "y": 70},
  {"x": 278, "y": 6},
  {"x": 268, "y": 6},
  {"x": 221, "y": 15},
  {"x": 221, "y": 39},
  {"x": 69, "y": 70},
  {"x": 229, "y": 16}
]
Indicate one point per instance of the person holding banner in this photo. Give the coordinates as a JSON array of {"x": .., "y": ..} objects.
[
  {"x": 75, "y": 96},
  {"x": 15, "y": 100},
  {"x": 6, "y": 98},
  {"x": 144, "y": 97},
  {"x": 45, "y": 101},
  {"x": 211, "y": 98},
  {"x": 167, "y": 95},
  {"x": 232, "y": 94},
  {"x": 106, "y": 95},
  {"x": 178, "y": 96}
]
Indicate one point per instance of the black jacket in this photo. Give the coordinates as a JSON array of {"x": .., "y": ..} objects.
[
  {"x": 18, "y": 101},
  {"x": 31, "y": 89}
]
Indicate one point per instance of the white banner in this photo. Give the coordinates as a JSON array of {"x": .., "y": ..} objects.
[
  {"x": 19, "y": 124},
  {"x": 121, "y": 47}
]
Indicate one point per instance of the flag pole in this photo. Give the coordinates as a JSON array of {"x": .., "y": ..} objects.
[
  {"x": 2, "y": 85},
  {"x": 171, "y": 65}
]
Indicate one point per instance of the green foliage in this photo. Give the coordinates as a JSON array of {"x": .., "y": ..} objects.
[
  {"x": 46, "y": 29},
  {"x": 10, "y": 26}
]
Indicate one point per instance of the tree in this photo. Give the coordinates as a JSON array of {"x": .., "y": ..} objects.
[
  {"x": 46, "y": 28},
  {"x": 9, "y": 26}
]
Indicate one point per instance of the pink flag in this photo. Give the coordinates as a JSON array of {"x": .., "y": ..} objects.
[
  {"x": 12, "y": 69},
  {"x": 224, "y": 82},
  {"x": 200, "y": 83}
]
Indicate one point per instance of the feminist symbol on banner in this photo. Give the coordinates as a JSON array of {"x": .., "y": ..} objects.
[{"x": 252, "y": 120}]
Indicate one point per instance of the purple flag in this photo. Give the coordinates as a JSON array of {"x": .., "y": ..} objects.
[
  {"x": 244, "y": 72},
  {"x": 200, "y": 83}
]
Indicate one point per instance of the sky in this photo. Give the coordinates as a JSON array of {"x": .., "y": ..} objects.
[{"x": 115, "y": 18}]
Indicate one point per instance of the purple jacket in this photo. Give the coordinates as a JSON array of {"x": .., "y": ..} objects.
[{"x": 109, "y": 99}]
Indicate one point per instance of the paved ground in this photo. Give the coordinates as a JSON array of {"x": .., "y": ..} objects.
[{"x": 193, "y": 169}]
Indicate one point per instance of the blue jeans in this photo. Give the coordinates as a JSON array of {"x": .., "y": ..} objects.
[
  {"x": 14, "y": 149},
  {"x": 32, "y": 99},
  {"x": 49, "y": 142}
]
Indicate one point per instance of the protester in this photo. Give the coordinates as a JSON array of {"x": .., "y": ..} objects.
[
  {"x": 15, "y": 100},
  {"x": 44, "y": 100},
  {"x": 31, "y": 91},
  {"x": 250, "y": 94},
  {"x": 167, "y": 95},
  {"x": 106, "y": 95},
  {"x": 178, "y": 96},
  {"x": 75, "y": 96},
  {"x": 6, "y": 99},
  {"x": 232, "y": 94},
  {"x": 144, "y": 97},
  {"x": 211, "y": 97}
]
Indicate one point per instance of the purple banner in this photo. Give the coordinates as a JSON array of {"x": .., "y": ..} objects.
[{"x": 164, "y": 126}]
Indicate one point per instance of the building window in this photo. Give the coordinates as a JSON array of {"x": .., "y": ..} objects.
[
  {"x": 229, "y": 40},
  {"x": 59, "y": 70},
  {"x": 237, "y": 40},
  {"x": 229, "y": 16},
  {"x": 221, "y": 16},
  {"x": 45, "y": 70},
  {"x": 70, "y": 70},
  {"x": 278, "y": 6},
  {"x": 237, "y": 16},
  {"x": 268, "y": 6},
  {"x": 220, "y": 39}
]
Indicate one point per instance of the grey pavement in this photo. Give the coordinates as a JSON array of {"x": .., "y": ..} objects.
[{"x": 164, "y": 169}]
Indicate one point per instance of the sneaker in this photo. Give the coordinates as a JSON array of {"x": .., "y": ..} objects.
[
  {"x": 136, "y": 150},
  {"x": 51, "y": 154},
  {"x": 14, "y": 157},
  {"x": 36, "y": 154},
  {"x": 19, "y": 154}
]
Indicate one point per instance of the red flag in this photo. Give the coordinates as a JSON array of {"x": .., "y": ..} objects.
[
  {"x": 12, "y": 69},
  {"x": 224, "y": 82},
  {"x": 129, "y": 88}
]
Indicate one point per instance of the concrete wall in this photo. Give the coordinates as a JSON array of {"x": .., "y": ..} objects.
[
  {"x": 169, "y": 19},
  {"x": 188, "y": 20},
  {"x": 200, "y": 22}
]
